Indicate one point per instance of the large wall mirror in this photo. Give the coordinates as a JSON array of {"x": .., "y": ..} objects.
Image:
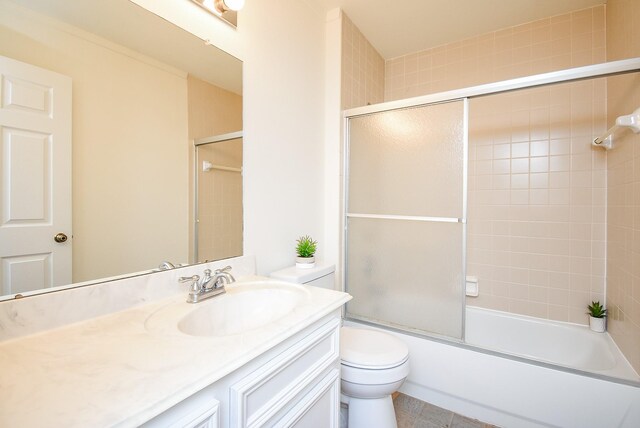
[{"x": 142, "y": 92}]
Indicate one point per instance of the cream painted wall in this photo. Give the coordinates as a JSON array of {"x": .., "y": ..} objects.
[
  {"x": 333, "y": 142},
  {"x": 284, "y": 129},
  {"x": 281, "y": 44},
  {"x": 129, "y": 145}
]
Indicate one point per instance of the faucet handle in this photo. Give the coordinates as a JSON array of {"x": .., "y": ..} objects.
[
  {"x": 222, "y": 270},
  {"x": 193, "y": 280},
  {"x": 224, "y": 275}
]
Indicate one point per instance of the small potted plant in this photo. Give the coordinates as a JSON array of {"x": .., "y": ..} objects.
[
  {"x": 305, "y": 250},
  {"x": 597, "y": 314}
]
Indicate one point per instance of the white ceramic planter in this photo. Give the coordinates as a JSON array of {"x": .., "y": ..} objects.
[
  {"x": 597, "y": 324},
  {"x": 305, "y": 262}
]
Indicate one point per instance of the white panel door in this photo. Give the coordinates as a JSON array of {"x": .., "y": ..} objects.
[{"x": 35, "y": 178}]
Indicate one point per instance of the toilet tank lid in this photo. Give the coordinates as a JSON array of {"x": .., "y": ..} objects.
[
  {"x": 370, "y": 348},
  {"x": 302, "y": 276}
]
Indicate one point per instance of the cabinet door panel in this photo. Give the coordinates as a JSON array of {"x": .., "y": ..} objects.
[
  {"x": 260, "y": 395},
  {"x": 320, "y": 408}
]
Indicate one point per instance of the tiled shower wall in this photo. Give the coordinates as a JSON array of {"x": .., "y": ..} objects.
[
  {"x": 362, "y": 68},
  {"x": 623, "y": 185},
  {"x": 536, "y": 231},
  {"x": 536, "y": 236},
  {"x": 554, "y": 43}
]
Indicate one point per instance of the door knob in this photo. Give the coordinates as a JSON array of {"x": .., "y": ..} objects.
[{"x": 60, "y": 237}]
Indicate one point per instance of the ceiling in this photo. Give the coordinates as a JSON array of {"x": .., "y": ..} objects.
[{"x": 400, "y": 27}]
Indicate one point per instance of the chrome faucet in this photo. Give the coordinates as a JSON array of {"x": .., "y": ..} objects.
[
  {"x": 166, "y": 265},
  {"x": 209, "y": 285},
  {"x": 223, "y": 277}
]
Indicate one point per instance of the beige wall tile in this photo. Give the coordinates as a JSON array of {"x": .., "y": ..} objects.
[
  {"x": 623, "y": 186},
  {"x": 534, "y": 147},
  {"x": 568, "y": 40},
  {"x": 363, "y": 70}
]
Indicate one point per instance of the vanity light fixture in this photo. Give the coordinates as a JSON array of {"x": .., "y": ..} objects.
[{"x": 223, "y": 9}]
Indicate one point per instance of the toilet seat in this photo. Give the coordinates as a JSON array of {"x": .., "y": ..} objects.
[
  {"x": 371, "y": 350},
  {"x": 365, "y": 376}
]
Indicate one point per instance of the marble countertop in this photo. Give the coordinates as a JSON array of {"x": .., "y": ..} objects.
[{"x": 115, "y": 371}]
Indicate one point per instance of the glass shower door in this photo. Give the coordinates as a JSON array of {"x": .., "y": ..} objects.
[
  {"x": 218, "y": 202},
  {"x": 405, "y": 218}
]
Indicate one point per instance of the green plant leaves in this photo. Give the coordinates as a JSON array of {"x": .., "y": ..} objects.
[
  {"x": 306, "y": 246},
  {"x": 596, "y": 310}
]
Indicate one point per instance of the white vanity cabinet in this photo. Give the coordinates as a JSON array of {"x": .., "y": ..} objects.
[
  {"x": 199, "y": 411},
  {"x": 264, "y": 354},
  {"x": 294, "y": 384},
  {"x": 288, "y": 386}
]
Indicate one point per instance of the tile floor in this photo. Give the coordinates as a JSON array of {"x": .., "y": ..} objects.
[{"x": 413, "y": 413}]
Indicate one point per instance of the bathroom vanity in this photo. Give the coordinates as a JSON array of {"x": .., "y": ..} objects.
[{"x": 266, "y": 353}]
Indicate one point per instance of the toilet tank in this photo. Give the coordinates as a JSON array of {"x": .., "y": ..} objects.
[{"x": 322, "y": 275}]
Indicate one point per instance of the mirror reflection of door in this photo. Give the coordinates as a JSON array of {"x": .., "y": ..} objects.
[
  {"x": 35, "y": 178},
  {"x": 218, "y": 210},
  {"x": 143, "y": 90}
]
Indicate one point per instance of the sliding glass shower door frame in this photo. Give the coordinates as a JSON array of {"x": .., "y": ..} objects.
[
  {"x": 563, "y": 76},
  {"x": 462, "y": 220}
]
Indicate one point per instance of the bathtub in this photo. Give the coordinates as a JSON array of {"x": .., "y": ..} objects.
[
  {"x": 543, "y": 384},
  {"x": 568, "y": 345}
]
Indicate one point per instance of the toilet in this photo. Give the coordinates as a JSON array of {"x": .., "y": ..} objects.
[{"x": 374, "y": 364}]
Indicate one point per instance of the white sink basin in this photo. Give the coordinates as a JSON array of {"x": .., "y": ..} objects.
[{"x": 244, "y": 307}]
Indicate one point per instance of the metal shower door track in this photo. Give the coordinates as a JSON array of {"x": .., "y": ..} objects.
[{"x": 570, "y": 75}]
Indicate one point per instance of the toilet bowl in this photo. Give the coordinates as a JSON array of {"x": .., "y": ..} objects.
[
  {"x": 373, "y": 363},
  {"x": 373, "y": 366}
]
